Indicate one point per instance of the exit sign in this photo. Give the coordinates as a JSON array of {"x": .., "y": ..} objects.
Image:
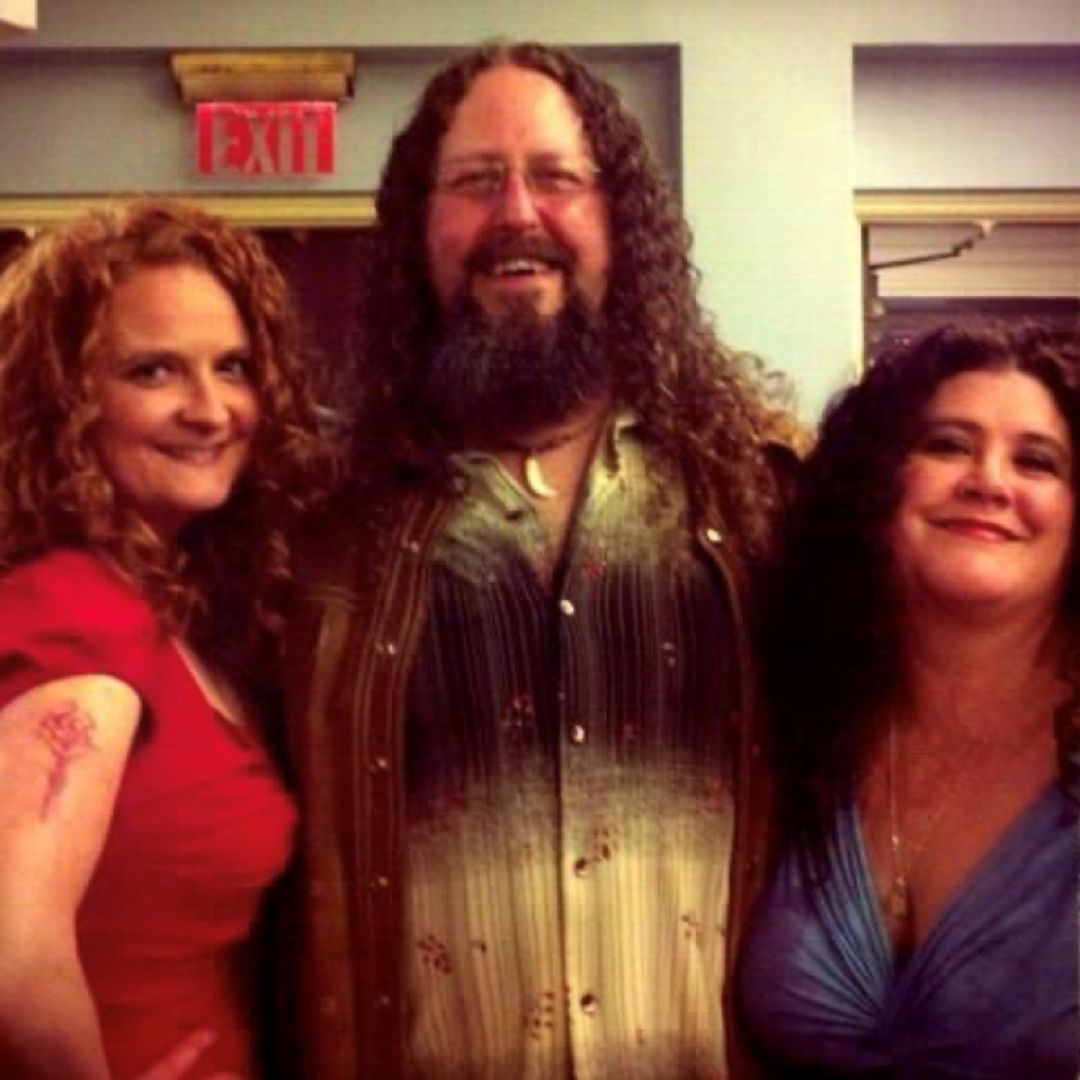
[{"x": 266, "y": 138}]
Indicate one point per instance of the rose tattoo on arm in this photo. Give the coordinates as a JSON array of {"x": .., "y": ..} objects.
[{"x": 67, "y": 730}]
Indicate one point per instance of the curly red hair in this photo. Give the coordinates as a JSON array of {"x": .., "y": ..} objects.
[{"x": 233, "y": 564}]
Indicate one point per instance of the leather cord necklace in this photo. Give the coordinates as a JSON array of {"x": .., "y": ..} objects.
[{"x": 536, "y": 483}]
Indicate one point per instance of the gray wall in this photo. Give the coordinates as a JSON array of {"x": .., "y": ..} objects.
[
  {"x": 968, "y": 120},
  {"x": 767, "y": 97},
  {"x": 77, "y": 122}
]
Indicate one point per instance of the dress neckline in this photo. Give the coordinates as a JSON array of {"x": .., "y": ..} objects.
[{"x": 1050, "y": 799}]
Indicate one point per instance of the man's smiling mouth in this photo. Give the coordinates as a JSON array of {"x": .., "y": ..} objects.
[{"x": 517, "y": 268}]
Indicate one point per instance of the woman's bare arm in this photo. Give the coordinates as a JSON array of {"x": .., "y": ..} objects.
[{"x": 63, "y": 748}]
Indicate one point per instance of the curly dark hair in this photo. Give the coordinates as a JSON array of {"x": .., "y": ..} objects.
[
  {"x": 232, "y": 566},
  {"x": 832, "y": 650},
  {"x": 699, "y": 402}
]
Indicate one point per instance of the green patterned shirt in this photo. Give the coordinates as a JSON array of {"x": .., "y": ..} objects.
[{"x": 568, "y": 755}]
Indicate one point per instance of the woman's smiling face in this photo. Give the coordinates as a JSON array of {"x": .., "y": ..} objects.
[
  {"x": 178, "y": 411},
  {"x": 986, "y": 514}
]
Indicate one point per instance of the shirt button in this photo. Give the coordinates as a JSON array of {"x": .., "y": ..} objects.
[
  {"x": 380, "y": 764},
  {"x": 566, "y": 606},
  {"x": 713, "y": 536},
  {"x": 581, "y": 867},
  {"x": 381, "y": 881},
  {"x": 577, "y": 734},
  {"x": 329, "y": 1005},
  {"x": 589, "y": 1004},
  {"x": 382, "y": 1001}
]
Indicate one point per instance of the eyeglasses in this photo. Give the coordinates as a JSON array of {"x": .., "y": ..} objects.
[{"x": 485, "y": 180}]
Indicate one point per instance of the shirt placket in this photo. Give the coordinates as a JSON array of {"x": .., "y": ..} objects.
[{"x": 581, "y": 855}]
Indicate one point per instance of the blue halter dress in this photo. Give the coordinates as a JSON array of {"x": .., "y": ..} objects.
[{"x": 991, "y": 993}]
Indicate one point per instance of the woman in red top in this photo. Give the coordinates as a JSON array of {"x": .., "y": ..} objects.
[{"x": 156, "y": 439}]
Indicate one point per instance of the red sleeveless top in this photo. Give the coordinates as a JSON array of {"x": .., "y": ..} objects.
[{"x": 201, "y": 825}]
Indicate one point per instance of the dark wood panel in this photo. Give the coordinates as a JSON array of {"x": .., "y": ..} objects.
[{"x": 904, "y": 319}]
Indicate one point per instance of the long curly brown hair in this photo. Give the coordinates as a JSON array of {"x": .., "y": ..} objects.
[
  {"x": 231, "y": 568},
  {"x": 833, "y": 654},
  {"x": 699, "y": 402}
]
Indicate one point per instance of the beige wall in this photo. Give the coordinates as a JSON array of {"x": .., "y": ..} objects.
[{"x": 17, "y": 16}]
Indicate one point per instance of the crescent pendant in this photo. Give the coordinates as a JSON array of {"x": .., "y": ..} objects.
[{"x": 535, "y": 482}]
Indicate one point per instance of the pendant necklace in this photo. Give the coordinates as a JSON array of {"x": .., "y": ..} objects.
[
  {"x": 905, "y": 857},
  {"x": 536, "y": 483},
  {"x": 898, "y": 902}
]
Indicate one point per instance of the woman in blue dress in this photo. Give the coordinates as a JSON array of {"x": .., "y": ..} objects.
[{"x": 922, "y": 665}]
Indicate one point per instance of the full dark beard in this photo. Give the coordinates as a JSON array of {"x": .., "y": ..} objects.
[{"x": 498, "y": 377}]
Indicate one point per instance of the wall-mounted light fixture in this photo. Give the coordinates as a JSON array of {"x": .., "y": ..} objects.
[{"x": 287, "y": 75}]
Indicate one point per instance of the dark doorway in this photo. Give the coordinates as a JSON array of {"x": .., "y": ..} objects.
[
  {"x": 12, "y": 241},
  {"x": 324, "y": 268}
]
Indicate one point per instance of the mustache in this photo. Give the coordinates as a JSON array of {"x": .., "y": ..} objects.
[{"x": 502, "y": 246}]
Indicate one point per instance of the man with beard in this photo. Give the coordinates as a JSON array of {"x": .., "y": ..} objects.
[{"x": 518, "y": 671}]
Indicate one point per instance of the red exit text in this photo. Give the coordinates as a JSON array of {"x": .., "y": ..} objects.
[{"x": 266, "y": 138}]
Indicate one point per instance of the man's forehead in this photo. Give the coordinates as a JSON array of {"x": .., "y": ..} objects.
[{"x": 511, "y": 109}]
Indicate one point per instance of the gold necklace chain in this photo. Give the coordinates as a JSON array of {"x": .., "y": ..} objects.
[{"x": 906, "y": 857}]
